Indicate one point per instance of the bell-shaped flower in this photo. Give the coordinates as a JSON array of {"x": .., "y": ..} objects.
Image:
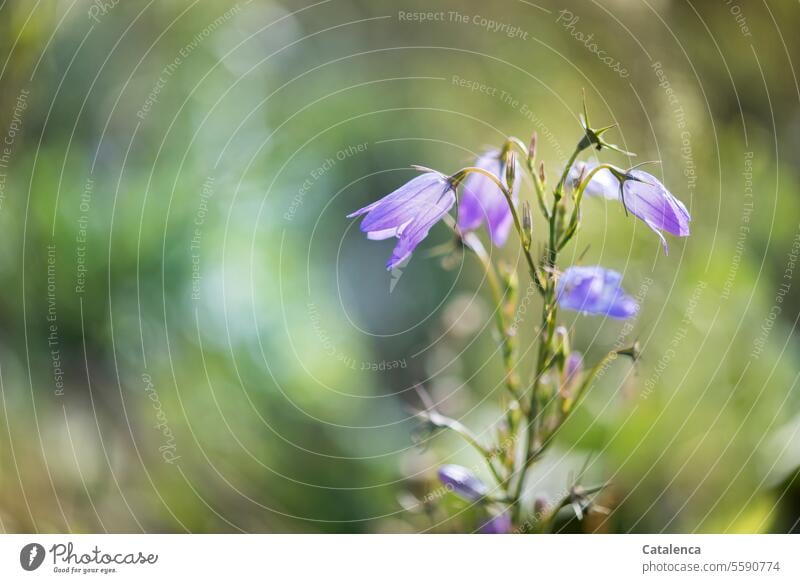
[
  {"x": 408, "y": 213},
  {"x": 482, "y": 200},
  {"x": 643, "y": 195},
  {"x": 648, "y": 199},
  {"x": 461, "y": 481},
  {"x": 595, "y": 290}
]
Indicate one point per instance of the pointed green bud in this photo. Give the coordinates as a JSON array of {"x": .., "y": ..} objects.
[
  {"x": 561, "y": 341},
  {"x": 634, "y": 351},
  {"x": 593, "y": 136},
  {"x": 532, "y": 147},
  {"x": 510, "y": 161},
  {"x": 527, "y": 225}
]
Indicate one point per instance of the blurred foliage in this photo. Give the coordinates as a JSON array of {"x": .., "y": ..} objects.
[{"x": 176, "y": 120}]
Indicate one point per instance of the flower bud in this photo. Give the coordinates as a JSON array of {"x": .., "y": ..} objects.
[
  {"x": 462, "y": 482},
  {"x": 593, "y": 136},
  {"x": 510, "y": 278},
  {"x": 540, "y": 506},
  {"x": 510, "y": 168},
  {"x": 527, "y": 225},
  {"x": 532, "y": 146},
  {"x": 542, "y": 176},
  {"x": 634, "y": 351},
  {"x": 561, "y": 341}
]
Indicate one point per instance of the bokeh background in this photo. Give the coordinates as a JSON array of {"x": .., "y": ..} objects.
[{"x": 195, "y": 338}]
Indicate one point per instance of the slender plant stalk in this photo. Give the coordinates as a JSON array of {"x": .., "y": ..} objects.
[
  {"x": 574, "y": 220},
  {"x": 511, "y": 380},
  {"x": 547, "y": 328},
  {"x": 537, "y": 182},
  {"x": 534, "y": 270}
]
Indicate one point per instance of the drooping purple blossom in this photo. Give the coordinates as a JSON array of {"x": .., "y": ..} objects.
[
  {"x": 644, "y": 196},
  {"x": 648, "y": 199},
  {"x": 481, "y": 199},
  {"x": 497, "y": 524},
  {"x": 408, "y": 213},
  {"x": 463, "y": 482},
  {"x": 595, "y": 290}
]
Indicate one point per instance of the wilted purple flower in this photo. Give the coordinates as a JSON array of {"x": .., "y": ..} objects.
[
  {"x": 463, "y": 482},
  {"x": 595, "y": 290},
  {"x": 481, "y": 199},
  {"x": 645, "y": 197},
  {"x": 649, "y": 200},
  {"x": 497, "y": 524},
  {"x": 408, "y": 213}
]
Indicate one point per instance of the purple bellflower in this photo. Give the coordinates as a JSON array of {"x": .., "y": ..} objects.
[
  {"x": 463, "y": 482},
  {"x": 497, "y": 524},
  {"x": 645, "y": 197},
  {"x": 649, "y": 200},
  {"x": 408, "y": 213},
  {"x": 481, "y": 199},
  {"x": 595, "y": 290}
]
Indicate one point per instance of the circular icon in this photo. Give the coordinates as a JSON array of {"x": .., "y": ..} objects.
[{"x": 31, "y": 556}]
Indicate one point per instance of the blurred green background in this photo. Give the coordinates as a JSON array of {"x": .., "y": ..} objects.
[{"x": 195, "y": 338}]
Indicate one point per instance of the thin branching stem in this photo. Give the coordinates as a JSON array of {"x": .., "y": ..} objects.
[
  {"x": 534, "y": 271},
  {"x": 503, "y": 327},
  {"x": 573, "y": 224},
  {"x": 530, "y": 166},
  {"x": 547, "y": 328}
]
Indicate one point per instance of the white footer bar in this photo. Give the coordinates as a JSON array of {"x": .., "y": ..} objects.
[{"x": 401, "y": 558}]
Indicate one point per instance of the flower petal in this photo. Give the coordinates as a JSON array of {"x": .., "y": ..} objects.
[
  {"x": 595, "y": 290},
  {"x": 387, "y": 233},
  {"x": 497, "y": 524},
  {"x": 408, "y": 213},
  {"x": 403, "y": 204},
  {"x": 661, "y": 236},
  {"x": 481, "y": 200},
  {"x": 462, "y": 482},
  {"x": 649, "y": 200},
  {"x": 413, "y": 234}
]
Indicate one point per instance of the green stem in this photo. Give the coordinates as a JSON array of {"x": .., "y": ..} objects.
[
  {"x": 578, "y": 149},
  {"x": 537, "y": 183},
  {"x": 547, "y": 327},
  {"x": 503, "y": 329},
  {"x": 537, "y": 277},
  {"x": 570, "y": 406},
  {"x": 575, "y": 492},
  {"x": 572, "y": 226},
  {"x": 441, "y": 421}
]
